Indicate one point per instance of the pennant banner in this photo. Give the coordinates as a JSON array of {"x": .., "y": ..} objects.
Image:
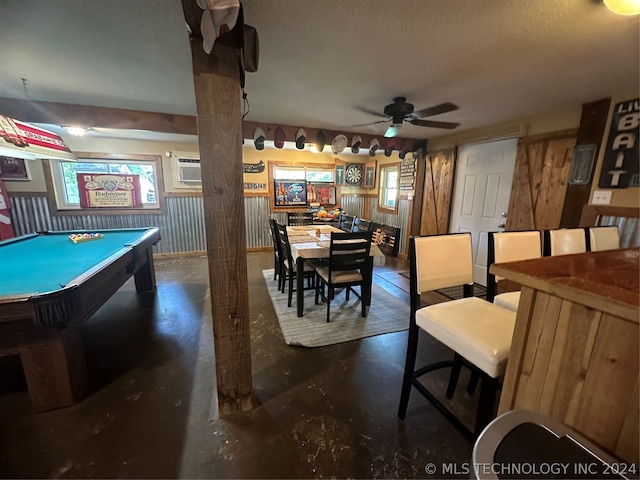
[{"x": 22, "y": 140}]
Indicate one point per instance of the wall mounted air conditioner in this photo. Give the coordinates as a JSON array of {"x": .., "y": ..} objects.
[{"x": 189, "y": 170}]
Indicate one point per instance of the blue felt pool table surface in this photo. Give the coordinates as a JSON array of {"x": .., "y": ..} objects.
[{"x": 43, "y": 263}]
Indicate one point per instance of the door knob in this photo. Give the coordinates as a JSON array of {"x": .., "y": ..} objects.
[
  {"x": 501, "y": 225},
  {"x": 504, "y": 214}
]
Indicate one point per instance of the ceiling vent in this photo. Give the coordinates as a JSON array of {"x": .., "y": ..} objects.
[{"x": 189, "y": 170}]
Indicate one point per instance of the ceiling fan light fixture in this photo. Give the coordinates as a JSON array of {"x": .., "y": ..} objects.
[
  {"x": 623, "y": 7},
  {"x": 393, "y": 130}
]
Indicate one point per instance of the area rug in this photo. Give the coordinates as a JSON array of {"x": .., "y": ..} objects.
[{"x": 385, "y": 315}]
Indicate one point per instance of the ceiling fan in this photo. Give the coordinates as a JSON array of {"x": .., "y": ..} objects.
[{"x": 400, "y": 111}]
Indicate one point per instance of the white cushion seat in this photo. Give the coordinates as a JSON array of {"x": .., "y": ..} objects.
[
  {"x": 477, "y": 330},
  {"x": 341, "y": 276},
  {"x": 309, "y": 265},
  {"x": 508, "y": 300}
]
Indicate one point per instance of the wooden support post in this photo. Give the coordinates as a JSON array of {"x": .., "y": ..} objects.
[
  {"x": 593, "y": 123},
  {"x": 219, "y": 121}
]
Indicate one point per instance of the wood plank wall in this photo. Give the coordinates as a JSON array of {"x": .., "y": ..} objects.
[
  {"x": 540, "y": 181},
  {"x": 577, "y": 365}
]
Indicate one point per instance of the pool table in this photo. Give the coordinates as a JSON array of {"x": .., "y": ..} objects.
[{"x": 49, "y": 286}]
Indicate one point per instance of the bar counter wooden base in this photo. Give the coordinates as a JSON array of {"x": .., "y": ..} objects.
[{"x": 575, "y": 349}]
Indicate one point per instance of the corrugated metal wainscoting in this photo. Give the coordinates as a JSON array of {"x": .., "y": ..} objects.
[
  {"x": 353, "y": 206},
  {"x": 181, "y": 226}
]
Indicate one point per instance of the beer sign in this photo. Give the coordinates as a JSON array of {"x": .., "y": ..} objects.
[
  {"x": 110, "y": 191},
  {"x": 621, "y": 162}
]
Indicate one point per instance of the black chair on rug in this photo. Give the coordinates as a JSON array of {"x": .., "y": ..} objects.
[
  {"x": 345, "y": 222},
  {"x": 349, "y": 266},
  {"x": 360, "y": 225},
  {"x": 273, "y": 228},
  {"x": 478, "y": 332},
  {"x": 299, "y": 218},
  {"x": 288, "y": 266}
]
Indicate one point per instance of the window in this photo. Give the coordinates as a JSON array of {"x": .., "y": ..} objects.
[
  {"x": 388, "y": 194},
  {"x": 315, "y": 175},
  {"x": 142, "y": 169}
]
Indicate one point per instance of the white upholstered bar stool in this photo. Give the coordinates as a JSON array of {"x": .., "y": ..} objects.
[
  {"x": 564, "y": 241},
  {"x": 509, "y": 247},
  {"x": 603, "y": 238},
  {"x": 478, "y": 332}
]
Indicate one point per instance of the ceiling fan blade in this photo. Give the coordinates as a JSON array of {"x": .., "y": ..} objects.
[
  {"x": 370, "y": 112},
  {"x": 367, "y": 124},
  {"x": 433, "y": 124},
  {"x": 436, "y": 110}
]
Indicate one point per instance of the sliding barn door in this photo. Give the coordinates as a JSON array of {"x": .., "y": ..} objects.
[
  {"x": 540, "y": 181},
  {"x": 437, "y": 193}
]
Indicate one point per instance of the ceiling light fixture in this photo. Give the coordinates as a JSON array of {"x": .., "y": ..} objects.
[
  {"x": 623, "y": 7},
  {"x": 393, "y": 130}
]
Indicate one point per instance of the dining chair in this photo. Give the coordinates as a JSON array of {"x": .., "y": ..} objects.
[
  {"x": 288, "y": 267},
  {"x": 509, "y": 247},
  {"x": 345, "y": 222},
  {"x": 349, "y": 266},
  {"x": 360, "y": 225},
  {"x": 273, "y": 228},
  {"x": 564, "y": 241},
  {"x": 299, "y": 218},
  {"x": 602, "y": 238},
  {"x": 478, "y": 332}
]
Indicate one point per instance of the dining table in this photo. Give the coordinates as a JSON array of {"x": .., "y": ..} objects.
[{"x": 311, "y": 242}]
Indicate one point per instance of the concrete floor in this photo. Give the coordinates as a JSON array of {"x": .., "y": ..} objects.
[{"x": 151, "y": 412}]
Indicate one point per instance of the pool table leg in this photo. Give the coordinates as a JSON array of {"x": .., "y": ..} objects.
[
  {"x": 145, "y": 277},
  {"x": 54, "y": 366}
]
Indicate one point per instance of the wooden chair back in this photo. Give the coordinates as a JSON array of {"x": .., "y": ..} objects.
[
  {"x": 299, "y": 218},
  {"x": 348, "y": 251},
  {"x": 285, "y": 246},
  {"x": 345, "y": 222},
  {"x": 361, "y": 225}
]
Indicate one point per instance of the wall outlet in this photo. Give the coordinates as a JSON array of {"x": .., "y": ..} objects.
[{"x": 601, "y": 197}]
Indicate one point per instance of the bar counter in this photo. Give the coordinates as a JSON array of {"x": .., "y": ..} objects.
[{"x": 575, "y": 349}]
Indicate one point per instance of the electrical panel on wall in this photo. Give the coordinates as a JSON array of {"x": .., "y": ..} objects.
[{"x": 189, "y": 170}]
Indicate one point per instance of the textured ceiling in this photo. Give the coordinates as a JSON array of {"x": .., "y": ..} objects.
[{"x": 321, "y": 60}]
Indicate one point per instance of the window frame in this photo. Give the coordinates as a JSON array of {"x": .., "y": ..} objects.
[
  {"x": 382, "y": 175},
  {"x": 54, "y": 183},
  {"x": 329, "y": 167},
  {"x": 306, "y": 169}
]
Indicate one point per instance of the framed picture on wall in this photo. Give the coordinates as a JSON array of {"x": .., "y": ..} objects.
[
  {"x": 369, "y": 175},
  {"x": 14, "y": 169},
  {"x": 290, "y": 193},
  {"x": 339, "y": 174},
  {"x": 325, "y": 194}
]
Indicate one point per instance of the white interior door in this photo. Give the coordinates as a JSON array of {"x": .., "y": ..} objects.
[{"x": 484, "y": 174}]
